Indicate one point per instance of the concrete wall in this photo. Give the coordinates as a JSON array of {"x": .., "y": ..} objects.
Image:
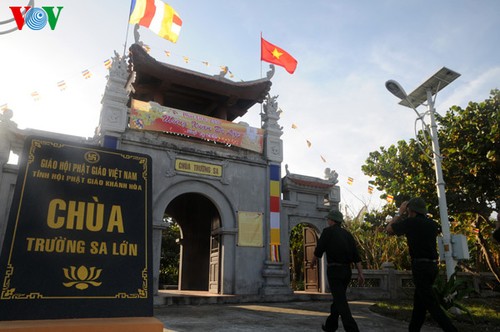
[{"x": 242, "y": 187}]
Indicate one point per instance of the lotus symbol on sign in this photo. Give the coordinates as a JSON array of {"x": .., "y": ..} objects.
[{"x": 82, "y": 277}]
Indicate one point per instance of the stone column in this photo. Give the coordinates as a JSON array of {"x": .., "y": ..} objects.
[
  {"x": 275, "y": 272},
  {"x": 7, "y": 128},
  {"x": 114, "y": 111},
  {"x": 391, "y": 286},
  {"x": 158, "y": 227}
]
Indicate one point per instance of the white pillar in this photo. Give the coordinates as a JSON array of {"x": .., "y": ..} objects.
[{"x": 440, "y": 186}]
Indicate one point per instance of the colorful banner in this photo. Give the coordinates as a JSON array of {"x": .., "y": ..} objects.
[
  {"x": 154, "y": 117},
  {"x": 274, "y": 211}
]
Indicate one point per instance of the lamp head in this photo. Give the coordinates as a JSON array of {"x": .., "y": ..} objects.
[{"x": 396, "y": 89}]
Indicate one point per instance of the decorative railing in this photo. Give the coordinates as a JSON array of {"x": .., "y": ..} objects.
[{"x": 390, "y": 283}]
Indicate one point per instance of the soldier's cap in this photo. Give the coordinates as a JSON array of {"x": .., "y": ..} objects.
[
  {"x": 335, "y": 216},
  {"x": 417, "y": 204}
]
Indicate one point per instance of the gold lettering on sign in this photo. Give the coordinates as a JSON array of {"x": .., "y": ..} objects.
[
  {"x": 84, "y": 215},
  {"x": 189, "y": 166}
]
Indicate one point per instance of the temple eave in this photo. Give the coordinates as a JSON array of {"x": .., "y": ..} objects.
[{"x": 192, "y": 91}]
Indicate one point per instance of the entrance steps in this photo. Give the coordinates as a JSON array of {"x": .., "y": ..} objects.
[{"x": 177, "y": 297}]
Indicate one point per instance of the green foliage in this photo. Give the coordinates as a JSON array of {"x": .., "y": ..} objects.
[
  {"x": 485, "y": 312},
  {"x": 451, "y": 292},
  {"x": 402, "y": 171},
  {"x": 375, "y": 246},
  {"x": 170, "y": 254},
  {"x": 297, "y": 257},
  {"x": 470, "y": 146}
]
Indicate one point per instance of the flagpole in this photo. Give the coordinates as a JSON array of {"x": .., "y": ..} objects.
[
  {"x": 262, "y": 104},
  {"x": 132, "y": 3},
  {"x": 261, "y": 54}
]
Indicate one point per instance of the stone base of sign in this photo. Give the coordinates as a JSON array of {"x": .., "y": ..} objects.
[{"x": 122, "y": 324}]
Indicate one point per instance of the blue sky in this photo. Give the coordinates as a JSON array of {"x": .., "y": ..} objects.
[{"x": 346, "y": 51}]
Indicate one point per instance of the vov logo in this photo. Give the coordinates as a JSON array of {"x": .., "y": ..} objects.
[{"x": 36, "y": 18}]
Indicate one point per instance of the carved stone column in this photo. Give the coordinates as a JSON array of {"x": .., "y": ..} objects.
[
  {"x": 113, "y": 118},
  {"x": 273, "y": 144},
  {"x": 6, "y": 135},
  {"x": 275, "y": 272}
]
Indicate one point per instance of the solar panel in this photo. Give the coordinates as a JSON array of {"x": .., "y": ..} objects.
[{"x": 436, "y": 83}]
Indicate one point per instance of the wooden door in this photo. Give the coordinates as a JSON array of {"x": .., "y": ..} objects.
[
  {"x": 213, "y": 278},
  {"x": 311, "y": 274}
]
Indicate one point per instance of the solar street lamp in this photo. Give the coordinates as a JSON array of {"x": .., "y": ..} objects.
[{"x": 424, "y": 93}]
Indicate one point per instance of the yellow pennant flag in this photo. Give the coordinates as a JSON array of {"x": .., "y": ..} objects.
[
  {"x": 61, "y": 85},
  {"x": 107, "y": 63},
  {"x": 294, "y": 126},
  {"x": 86, "y": 74},
  {"x": 390, "y": 198},
  {"x": 35, "y": 95}
]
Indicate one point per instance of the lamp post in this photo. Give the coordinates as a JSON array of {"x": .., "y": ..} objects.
[{"x": 421, "y": 94}]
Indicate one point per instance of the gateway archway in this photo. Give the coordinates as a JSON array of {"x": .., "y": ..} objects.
[
  {"x": 207, "y": 244},
  {"x": 199, "y": 262},
  {"x": 304, "y": 276}
]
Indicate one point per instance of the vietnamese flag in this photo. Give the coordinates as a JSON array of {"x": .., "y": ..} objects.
[{"x": 273, "y": 54}]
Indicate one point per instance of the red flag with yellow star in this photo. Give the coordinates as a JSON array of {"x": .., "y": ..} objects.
[{"x": 273, "y": 54}]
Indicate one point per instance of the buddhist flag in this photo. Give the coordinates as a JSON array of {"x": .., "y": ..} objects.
[
  {"x": 273, "y": 54},
  {"x": 350, "y": 181},
  {"x": 294, "y": 126},
  {"x": 308, "y": 143},
  {"x": 370, "y": 190},
  {"x": 390, "y": 198},
  {"x": 158, "y": 17},
  {"x": 86, "y": 74},
  {"x": 108, "y": 63},
  {"x": 35, "y": 95},
  {"x": 61, "y": 85}
]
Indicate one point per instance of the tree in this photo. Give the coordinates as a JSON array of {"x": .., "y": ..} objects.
[
  {"x": 297, "y": 257},
  {"x": 470, "y": 146},
  {"x": 375, "y": 246},
  {"x": 170, "y": 254}
]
